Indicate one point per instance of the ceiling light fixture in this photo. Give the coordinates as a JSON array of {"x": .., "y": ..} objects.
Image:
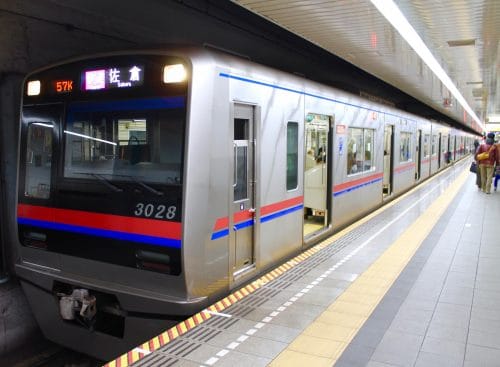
[{"x": 394, "y": 16}]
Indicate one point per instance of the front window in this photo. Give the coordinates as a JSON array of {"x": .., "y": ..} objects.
[
  {"x": 38, "y": 160},
  {"x": 143, "y": 145}
]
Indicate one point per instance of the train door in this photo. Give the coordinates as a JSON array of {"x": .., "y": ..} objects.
[
  {"x": 387, "y": 186},
  {"x": 243, "y": 189},
  {"x": 316, "y": 173},
  {"x": 418, "y": 166}
]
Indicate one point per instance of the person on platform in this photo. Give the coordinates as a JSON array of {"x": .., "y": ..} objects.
[
  {"x": 497, "y": 169},
  {"x": 478, "y": 174},
  {"x": 486, "y": 166}
]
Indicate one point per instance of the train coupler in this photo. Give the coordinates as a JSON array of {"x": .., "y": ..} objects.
[{"x": 79, "y": 303}]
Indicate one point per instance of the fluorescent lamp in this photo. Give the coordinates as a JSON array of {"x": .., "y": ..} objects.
[
  {"x": 44, "y": 125},
  {"x": 394, "y": 16},
  {"x": 89, "y": 137}
]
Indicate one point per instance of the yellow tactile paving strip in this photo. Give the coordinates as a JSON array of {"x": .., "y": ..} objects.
[
  {"x": 157, "y": 342},
  {"x": 324, "y": 341}
]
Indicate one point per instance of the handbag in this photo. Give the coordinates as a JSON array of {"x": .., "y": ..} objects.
[
  {"x": 473, "y": 167},
  {"x": 485, "y": 155}
]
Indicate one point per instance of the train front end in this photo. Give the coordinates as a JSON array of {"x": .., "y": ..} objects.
[{"x": 100, "y": 199}]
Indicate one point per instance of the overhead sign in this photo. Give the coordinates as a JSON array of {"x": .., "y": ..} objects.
[{"x": 114, "y": 77}]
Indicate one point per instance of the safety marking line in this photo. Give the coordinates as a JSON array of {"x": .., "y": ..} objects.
[
  {"x": 212, "y": 361},
  {"x": 242, "y": 338},
  {"x": 222, "y": 353},
  {"x": 155, "y": 343}
]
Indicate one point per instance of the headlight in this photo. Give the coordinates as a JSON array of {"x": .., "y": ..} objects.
[{"x": 174, "y": 73}]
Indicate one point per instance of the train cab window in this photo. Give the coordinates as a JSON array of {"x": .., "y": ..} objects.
[
  {"x": 38, "y": 160},
  {"x": 405, "y": 147},
  {"x": 144, "y": 145},
  {"x": 292, "y": 155},
  {"x": 360, "y": 150}
]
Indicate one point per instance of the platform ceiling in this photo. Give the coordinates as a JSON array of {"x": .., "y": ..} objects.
[{"x": 463, "y": 35}]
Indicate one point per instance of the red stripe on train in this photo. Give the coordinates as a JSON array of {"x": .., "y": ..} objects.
[{"x": 111, "y": 222}]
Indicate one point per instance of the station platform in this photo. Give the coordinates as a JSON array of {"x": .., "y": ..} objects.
[{"x": 415, "y": 283}]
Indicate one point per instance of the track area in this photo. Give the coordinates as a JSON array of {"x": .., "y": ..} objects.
[
  {"x": 310, "y": 308},
  {"x": 54, "y": 356}
]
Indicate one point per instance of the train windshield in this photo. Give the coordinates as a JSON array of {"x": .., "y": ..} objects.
[{"x": 128, "y": 140}]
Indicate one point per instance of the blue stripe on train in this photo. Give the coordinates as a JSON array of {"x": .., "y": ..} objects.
[
  {"x": 150, "y": 240},
  {"x": 349, "y": 189},
  {"x": 128, "y": 105}
]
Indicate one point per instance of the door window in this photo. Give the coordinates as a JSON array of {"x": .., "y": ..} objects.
[{"x": 241, "y": 136}]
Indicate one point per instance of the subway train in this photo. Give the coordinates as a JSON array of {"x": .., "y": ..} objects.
[{"x": 152, "y": 183}]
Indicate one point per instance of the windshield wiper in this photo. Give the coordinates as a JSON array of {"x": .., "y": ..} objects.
[
  {"x": 106, "y": 182},
  {"x": 142, "y": 184}
]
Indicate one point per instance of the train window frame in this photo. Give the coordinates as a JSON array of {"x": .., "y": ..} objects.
[
  {"x": 405, "y": 147},
  {"x": 433, "y": 145},
  {"x": 292, "y": 155},
  {"x": 351, "y": 157}
]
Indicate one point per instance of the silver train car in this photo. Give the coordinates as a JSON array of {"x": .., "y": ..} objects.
[{"x": 153, "y": 183}]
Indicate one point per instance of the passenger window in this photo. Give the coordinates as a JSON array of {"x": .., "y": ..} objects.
[
  {"x": 426, "y": 145},
  {"x": 354, "y": 150},
  {"x": 405, "y": 147},
  {"x": 292, "y": 156},
  {"x": 368, "y": 154},
  {"x": 360, "y": 152},
  {"x": 38, "y": 160}
]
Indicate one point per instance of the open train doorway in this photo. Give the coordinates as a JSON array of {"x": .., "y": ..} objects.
[
  {"x": 243, "y": 190},
  {"x": 316, "y": 173},
  {"x": 387, "y": 186}
]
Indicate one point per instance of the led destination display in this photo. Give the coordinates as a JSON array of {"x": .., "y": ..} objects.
[{"x": 114, "y": 77}]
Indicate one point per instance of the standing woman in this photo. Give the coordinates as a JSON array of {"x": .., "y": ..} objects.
[
  {"x": 497, "y": 169},
  {"x": 478, "y": 174},
  {"x": 487, "y": 165}
]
